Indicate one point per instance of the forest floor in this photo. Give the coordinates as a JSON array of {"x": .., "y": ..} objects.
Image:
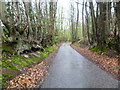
[
  {"x": 110, "y": 65},
  {"x": 34, "y": 75}
]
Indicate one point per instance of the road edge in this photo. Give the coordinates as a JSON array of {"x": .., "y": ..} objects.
[{"x": 115, "y": 76}]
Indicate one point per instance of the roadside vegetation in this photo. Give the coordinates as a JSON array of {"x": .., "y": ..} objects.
[
  {"x": 28, "y": 35},
  {"x": 99, "y": 27},
  {"x": 13, "y": 65}
]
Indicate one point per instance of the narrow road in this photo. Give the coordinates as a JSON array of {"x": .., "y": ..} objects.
[{"x": 72, "y": 70}]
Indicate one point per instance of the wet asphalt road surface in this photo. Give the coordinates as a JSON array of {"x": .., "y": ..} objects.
[{"x": 72, "y": 70}]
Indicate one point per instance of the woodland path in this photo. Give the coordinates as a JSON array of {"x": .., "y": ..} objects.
[{"x": 72, "y": 70}]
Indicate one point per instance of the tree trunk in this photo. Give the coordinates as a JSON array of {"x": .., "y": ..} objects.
[
  {"x": 83, "y": 28},
  {"x": 87, "y": 23}
]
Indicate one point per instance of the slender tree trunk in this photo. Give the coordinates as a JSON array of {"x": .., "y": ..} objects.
[
  {"x": 77, "y": 22},
  {"x": 87, "y": 23},
  {"x": 83, "y": 28}
]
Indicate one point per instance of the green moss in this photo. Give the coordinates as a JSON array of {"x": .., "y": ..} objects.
[
  {"x": 43, "y": 54},
  {"x": 13, "y": 67},
  {"x": 3, "y": 82},
  {"x": 24, "y": 63},
  {"x": 7, "y": 64},
  {"x": 17, "y": 59},
  {"x": 47, "y": 51},
  {"x": 16, "y": 62},
  {"x": 6, "y": 48},
  {"x": 37, "y": 59},
  {"x": 97, "y": 49},
  {"x": 105, "y": 51},
  {"x": 50, "y": 49},
  {"x": 94, "y": 49},
  {"x": 99, "y": 52},
  {"x": 29, "y": 60},
  {"x": 6, "y": 77}
]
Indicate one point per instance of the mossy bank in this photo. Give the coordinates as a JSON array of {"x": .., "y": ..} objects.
[{"x": 13, "y": 65}]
